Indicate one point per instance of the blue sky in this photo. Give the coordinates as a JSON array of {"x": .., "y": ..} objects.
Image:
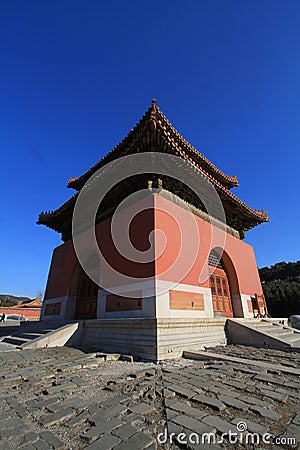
[{"x": 76, "y": 76}]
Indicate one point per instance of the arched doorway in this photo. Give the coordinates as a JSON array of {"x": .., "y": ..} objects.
[
  {"x": 219, "y": 285},
  {"x": 87, "y": 296}
]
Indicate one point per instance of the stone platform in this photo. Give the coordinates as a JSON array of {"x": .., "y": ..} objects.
[
  {"x": 153, "y": 339},
  {"x": 62, "y": 398}
]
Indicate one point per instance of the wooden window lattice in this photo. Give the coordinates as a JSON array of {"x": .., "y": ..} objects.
[{"x": 214, "y": 260}]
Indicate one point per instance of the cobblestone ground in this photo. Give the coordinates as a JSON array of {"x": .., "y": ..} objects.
[{"x": 63, "y": 398}]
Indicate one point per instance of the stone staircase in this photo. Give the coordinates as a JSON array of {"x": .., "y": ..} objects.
[
  {"x": 36, "y": 335},
  {"x": 264, "y": 333},
  {"x": 22, "y": 336}
]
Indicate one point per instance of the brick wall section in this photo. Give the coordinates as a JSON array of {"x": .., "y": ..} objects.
[
  {"x": 250, "y": 308},
  {"x": 29, "y": 313},
  {"x": 53, "y": 309},
  {"x": 119, "y": 303},
  {"x": 181, "y": 300}
]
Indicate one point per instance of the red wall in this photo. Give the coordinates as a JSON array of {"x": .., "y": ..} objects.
[
  {"x": 26, "y": 312},
  {"x": 62, "y": 265},
  {"x": 241, "y": 254},
  {"x": 64, "y": 259},
  {"x": 164, "y": 218}
]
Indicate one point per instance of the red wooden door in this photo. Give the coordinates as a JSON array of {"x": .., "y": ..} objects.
[
  {"x": 86, "y": 304},
  {"x": 220, "y": 292}
]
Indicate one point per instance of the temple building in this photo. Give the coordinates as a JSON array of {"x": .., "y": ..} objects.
[{"x": 198, "y": 271}]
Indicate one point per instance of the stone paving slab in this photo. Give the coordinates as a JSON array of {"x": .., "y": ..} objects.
[
  {"x": 209, "y": 401},
  {"x": 142, "y": 408},
  {"x": 265, "y": 412},
  {"x": 253, "y": 427},
  {"x": 65, "y": 399},
  {"x": 52, "y": 440},
  {"x": 105, "y": 428},
  {"x": 219, "y": 424},
  {"x": 60, "y": 416},
  {"x": 201, "y": 355},
  {"x": 192, "y": 424},
  {"x": 106, "y": 442},
  {"x": 187, "y": 409},
  {"x": 138, "y": 441},
  {"x": 233, "y": 402}
]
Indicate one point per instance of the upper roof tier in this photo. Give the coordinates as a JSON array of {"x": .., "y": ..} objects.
[
  {"x": 166, "y": 140},
  {"x": 154, "y": 133}
]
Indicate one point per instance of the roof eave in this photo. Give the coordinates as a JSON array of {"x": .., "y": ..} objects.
[{"x": 153, "y": 117}]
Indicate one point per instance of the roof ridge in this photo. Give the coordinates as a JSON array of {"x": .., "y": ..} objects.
[
  {"x": 262, "y": 214},
  {"x": 151, "y": 119},
  {"x": 73, "y": 180},
  {"x": 155, "y": 114},
  {"x": 232, "y": 179}
]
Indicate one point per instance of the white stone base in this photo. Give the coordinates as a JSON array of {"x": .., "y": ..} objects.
[
  {"x": 246, "y": 312},
  {"x": 153, "y": 339}
]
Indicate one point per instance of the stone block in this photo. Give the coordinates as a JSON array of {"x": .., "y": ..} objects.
[
  {"x": 42, "y": 445},
  {"x": 13, "y": 422},
  {"x": 139, "y": 441},
  {"x": 18, "y": 408},
  {"x": 267, "y": 378},
  {"x": 77, "y": 420},
  {"x": 267, "y": 413},
  {"x": 112, "y": 356},
  {"x": 89, "y": 364},
  {"x": 252, "y": 400},
  {"x": 291, "y": 384},
  {"x": 142, "y": 408},
  {"x": 208, "y": 401},
  {"x": 171, "y": 413},
  {"x": 59, "y": 417},
  {"x": 187, "y": 409},
  {"x": 252, "y": 427},
  {"x": 168, "y": 394},
  {"x": 41, "y": 402},
  {"x": 104, "y": 428},
  {"x": 193, "y": 424},
  {"x": 234, "y": 383},
  {"x": 131, "y": 418},
  {"x": 106, "y": 442},
  {"x": 28, "y": 438},
  {"x": 234, "y": 402},
  {"x": 125, "y": 431},
  {"x": 113, "y": 399},
  {"x": 27, "y": 447},
  {"x": 98, "y": 399},
  {"x": 181, "y": 391},
  {"x": 52, "y": 440},
  {"x": 216, "y": 422},
  {"x": 10, "y": 433},
  {"x": 126, "y": 358},
  {"x": 274, "y": 395},
  {"x": 69, "y": 367},
  {"x": 174, "y": 428},
  {"x": 107, "y": 413}
]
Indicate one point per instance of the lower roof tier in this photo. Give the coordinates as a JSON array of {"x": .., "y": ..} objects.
[{"x": 236, "y": 217}]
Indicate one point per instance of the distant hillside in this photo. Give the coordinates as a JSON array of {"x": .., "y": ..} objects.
[
  {"x": 281, "y": 286},
  {"x": 11, "y": 300}
]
